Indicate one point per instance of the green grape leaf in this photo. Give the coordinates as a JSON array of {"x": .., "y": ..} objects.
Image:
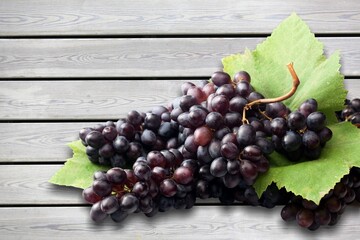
[
  {"x": 320, "y": 78},
  {"x": 313, "y": 179},
  {"x": 292, "y": 41},
  {"x": 77, "y": 171}
]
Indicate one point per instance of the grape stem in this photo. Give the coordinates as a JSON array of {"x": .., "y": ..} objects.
[{"x": 296, "y": 83}]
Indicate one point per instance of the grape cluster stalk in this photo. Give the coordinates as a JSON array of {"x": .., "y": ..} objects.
[{"x": 211, "y": 142}]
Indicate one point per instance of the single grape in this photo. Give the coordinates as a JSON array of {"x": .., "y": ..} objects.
[
  {"x": 308, "y": 107},
  {"x": 231, "y": 180},
  {"x": 278, "y": 126},
  {"x": 226, "y": 90},
  {"x": 315, "y": 121},
  {"x": 152, "y": 121},
  {"x": 119, "y": 216},
  {"x": 214, "y": 120},
  {"x": 252, "y": 153},
  {"x": 296, "y": 121},
  {"x": 246, "y": 135},
  {"x": 142, "y": 171},
  {"x": 129, "y": 203},
  {"x": 202, "y": 136},
  {"x": 95, "y": 139},
  {"x": 109, "y": 205},
  {"x": 276, "y": 109},
  {"x": 183, "y": 175},
  {"x": 218, "y": 167},
  {"x": 220, "y": 103},
  {"x": 101, "y": 187},
  {"x": 248, "y": 170},
  {"x": 148, "y": 137},
  {"x": 291, "y": 141},
  {"x": 220, "y": 78},
  {"x": 229, "y": 150},
  {"x": 116, "y": 176},
  {"x": 121, "y": 144},
  {"x": 90, "y": 196},
  {"x": 305, "y": 218},
  {"x": 237, "y": 104},
  {"x": 168, "y": 188},
  {"x": 310, "y": 139},
  {"x": 96, "y": 214},
  {"x": 185, "y": 87},
  {"x": 243, "y": 88},
  {"x": 140, "y": 189},
  {"x": 127, "y": 130},
  {"x": 242, "y": 76}
]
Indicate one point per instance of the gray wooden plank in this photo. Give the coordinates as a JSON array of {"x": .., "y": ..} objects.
[
  {"x": 100, "y": 99},
  {"x": 92, "y": 17},
  {"x": 38, "y": 142},
  {"x": 83, "y": 99},
  {"x": 28, "y": 184},
  {"x": 138, "y": 57},
  {"x": 201, "y": 222}
]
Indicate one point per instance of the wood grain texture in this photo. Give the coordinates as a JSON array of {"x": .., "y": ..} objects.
[
  {"x": 28, "y": 184},
  {"x": 91, "y": 17},
  {"x": 38, "y": 142},
  {"x": 203, "y": 223},
  {"x": 138, "y": 57},
  {"x": 100, "y": 99},
  {"x": 83, "y": 99}
]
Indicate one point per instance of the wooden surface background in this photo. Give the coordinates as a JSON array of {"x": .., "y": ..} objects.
[{"x": 68, "y": 64}]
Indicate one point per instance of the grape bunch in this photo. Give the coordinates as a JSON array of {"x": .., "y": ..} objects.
[
  {"x": 211, "y": 142},
  {"x": 309, "y": 215},
  {"x": 351, "y": 112}
]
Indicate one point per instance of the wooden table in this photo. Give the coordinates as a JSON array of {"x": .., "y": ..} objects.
[{"x": 67, "y": 64}]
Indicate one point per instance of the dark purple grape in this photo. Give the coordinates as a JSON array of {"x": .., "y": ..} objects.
[
  {"x": 243, "y": 88},
  {"x": 202, "y": 189},
  {"x": 116, "y": 175},
  {"x": 135, "y": 118},
  {"x": 233, "y": 167},
  {"x": 107, "y": 151},
  {"x": 142, "y": 171},
  {"x": 252, "y": 153},
  {"x": 95, "y": 139},
  {"x": 248, "y": 170},
  {"x": 310, "y": 139},
  {"x": 214, "y": 120},
  {"x": 230, "y": 151},
  {"x": 203, "y": 154},
  {"x": 305, "y": 218},
  {"x": 308, "y": 107},
  {"x": 277, "y": 109},
  {"x": 204, "y": 173},
  {"x": 197, "y": 117},
  {"x": 109, "y": 205},
  {"x": 220, "y": 78},
  {"x": 140, "y": 189},
  {"x": 121, "y": 144},
  {"x": 129, "y": 203},
  {"x": 220, "y": 103},
  {"x": 316, "y": 121},
  {"x": 96, "y": 214},
  {"x": 218, "y": 167},
  {"x": 237, "y": 104},
  {"x": 266, "y": 146},
  {"x": 333, "y": 204},
  {"x": 148, "y": 137},
  {"x": 291, "y": 141},
  {"x": 185, "y": 87},
  {"x": 278, "y": 126},
  {"x": 134, "y": 151},
  {"x": 289, "y": 212},
  {"x": 231, "y": 180},
  {"x": 202, "y": 136},
  {"x": 296, "y": 121},
  {"x": 168, "y": 188},
  {"x": 152, "y": 121},
  {"x": 102, "y": 188},
  {"x": 246, "y": 135},
  {"x": 83, "y": 133},
  {"x": 127, "y": 130},
  {"x": 187, "y": 101},
  {"x": 226, "y": 90},
  {"x": 232, "y": 119},
  {"x": 183, "y": 175},
  {"x": 214, "y": 148},
  {"x": 90, "y": 196},
  {"x": 242, "y": 76},
  {"x": 355, "y": 104}
]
